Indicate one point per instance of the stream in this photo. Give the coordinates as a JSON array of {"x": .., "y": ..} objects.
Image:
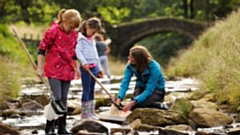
[{"x": 35, "y": 123}]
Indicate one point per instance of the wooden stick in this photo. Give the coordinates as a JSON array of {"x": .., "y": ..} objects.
[
  {"x": 31, "y": 59},
  {"x": 25, "y": 49},
  {"x": 110, "y": 96},
  {"x": 99, "y": 84}
]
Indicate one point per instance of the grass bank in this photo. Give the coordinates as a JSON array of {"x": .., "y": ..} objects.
[{"x": 214, "y": 60}]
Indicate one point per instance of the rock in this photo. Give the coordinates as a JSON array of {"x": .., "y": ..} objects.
[
  {"x": 32, "y": 105},
  {"x": 75, "y": 111},
  {"x": 5, "y": 105},
  {"x": 173, "y": 132},
  {"x": 155, "y": 117},
  {"x": 148, "y": 128},
  {"x": 234, "y": 131},
  {"x": 15, "y": 116},
  {"x": 204, "y": 117},
  {"x": 180, "y": 128},
  {"x": 90, "y": 126},
  {"x": 6, "y": 129},
  {"x": 135, "y": 124},
  {"x": 201, "y": 133},
  {"x": 10, "y": 112},
  {"x": 42, "y": 99},
  {"x": 205, "y": 104},
  {"x": 237, "y": 118},
  {"x": 121, "y": 130}
]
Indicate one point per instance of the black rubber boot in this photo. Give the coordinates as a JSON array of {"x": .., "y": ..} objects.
[
  {"x": 49, "y": 129},
  {"x": 62, "y": 125}
]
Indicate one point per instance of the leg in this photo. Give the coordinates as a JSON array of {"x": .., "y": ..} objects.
[
  {"x": 55, "y": 86},
  {"x": 62, "y": 120},
  {"x": 86, "y": 84},
  {"x": 92, "y": 102},
  {"x": 104, "y": 62},
  {"x": 154, "y": 101}
]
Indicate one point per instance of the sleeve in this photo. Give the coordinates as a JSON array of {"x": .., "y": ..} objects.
[
  {"x": 155, "y": 72},
  {"x": 79, "y": 52},
  {"x": 98, "y": 61},
  {"x": 128, "y": 73},
  {"x": 48, "y": 39}
]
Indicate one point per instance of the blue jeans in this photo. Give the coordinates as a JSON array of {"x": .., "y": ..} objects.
[{"x": 88, "y": 84}]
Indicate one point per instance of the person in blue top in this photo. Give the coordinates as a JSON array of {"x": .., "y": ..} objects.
[{"x": 149, "y": 90}]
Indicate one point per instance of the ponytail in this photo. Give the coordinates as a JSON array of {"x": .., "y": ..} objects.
[{"x": 60, "y": 15}]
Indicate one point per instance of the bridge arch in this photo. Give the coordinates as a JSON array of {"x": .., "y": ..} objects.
[{"x": 124, "y": 36}]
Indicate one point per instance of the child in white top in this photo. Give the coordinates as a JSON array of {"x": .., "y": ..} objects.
[{"x": 87, "y": 54}]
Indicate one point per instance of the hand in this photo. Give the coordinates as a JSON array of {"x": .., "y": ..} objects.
[
  {"x": 118, "y": 101},
  {"x": 77, "y": 74},
  {"x": 39, "y": 72},
  {"x": 85, "y": 67},
  {"x": 129, "y": 106},
  {"x": 100, "y": 74}
]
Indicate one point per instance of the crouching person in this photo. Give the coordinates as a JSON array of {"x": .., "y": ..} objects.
[{"x": 150, "y": 83}]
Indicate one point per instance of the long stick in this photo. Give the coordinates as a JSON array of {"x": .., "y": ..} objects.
[
  {"x": 31, "y": 59},
  {"x": 111, "y": 98},
  {"x": 99, "y": 83},
  {"x": 25, "y": 49}
]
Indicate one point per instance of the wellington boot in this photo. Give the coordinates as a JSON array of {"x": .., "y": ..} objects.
[
  {"x": 62, "y": 126},
  {"x": 49, "y": 129}
]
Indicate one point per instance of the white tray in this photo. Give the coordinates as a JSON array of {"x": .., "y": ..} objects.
[{"x": 106, "y": 116}]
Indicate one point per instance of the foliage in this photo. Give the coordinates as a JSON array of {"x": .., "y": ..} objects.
[
  {"x": 184, "y": 107},
  {"x": 12, "y": 61},
  {"x": 168, "y": 43},
  {"x": 116, "y": 67},
  {"x": 214, "y": 60},
  {"x": 115, "y": 11},
  {"x": 9, "y": 45},
  {"x": 9, "y": 78}
]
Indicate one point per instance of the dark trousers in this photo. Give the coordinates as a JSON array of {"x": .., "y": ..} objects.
[
  {"x": 60, "y": 89},
  {"x": 152, "y": 101}
]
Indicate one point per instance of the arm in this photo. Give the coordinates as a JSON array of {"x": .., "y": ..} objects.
[
  {"x": 107, "y": 49},
  {"x": 125, "y": 82},
  {"x": 79, "y": 54},
  {"x": 45, "y": 44},
  {"x": 76, "y": 69},
  {"x": 40, "y": 64},
  {"x": 98, "y": 61}
]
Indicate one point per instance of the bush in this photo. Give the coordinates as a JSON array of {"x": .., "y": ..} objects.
[{"x": 9, "y": 82}]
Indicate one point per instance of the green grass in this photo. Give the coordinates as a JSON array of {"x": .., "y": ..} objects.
[
  {"x": 9, "y": 79},
  {"x": 214, "y": 60}
]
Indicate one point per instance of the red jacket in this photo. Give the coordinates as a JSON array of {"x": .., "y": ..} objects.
[{"x": 60, "y": 50}]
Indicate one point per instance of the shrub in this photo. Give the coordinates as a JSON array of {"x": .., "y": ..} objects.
[{"x": 9, "y": 82}]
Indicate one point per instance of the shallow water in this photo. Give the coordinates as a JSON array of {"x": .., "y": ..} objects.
[{"x": 36, "y": 123}]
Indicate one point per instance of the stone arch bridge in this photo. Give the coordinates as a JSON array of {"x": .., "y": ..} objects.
[{"x": 124, "y": 36}]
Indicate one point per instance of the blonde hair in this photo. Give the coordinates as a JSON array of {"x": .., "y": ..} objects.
[
  {"x": 70, "y": 15},
  {"x": 142, "y": 57}
]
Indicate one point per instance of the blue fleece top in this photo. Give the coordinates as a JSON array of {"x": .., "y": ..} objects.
[{"x": 151, "y": 79}]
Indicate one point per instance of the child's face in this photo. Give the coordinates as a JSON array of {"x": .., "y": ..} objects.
[
  {"x": 91, "y": 31},
  {"x": 68, "y": 27}
]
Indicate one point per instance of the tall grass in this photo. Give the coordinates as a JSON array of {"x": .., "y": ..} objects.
[
  {"x": 214, "y": 59},
  {"x": 13, "y": 63},
  {"x": 9, "y": 79},
  {"x": 116, "y": 66}
]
